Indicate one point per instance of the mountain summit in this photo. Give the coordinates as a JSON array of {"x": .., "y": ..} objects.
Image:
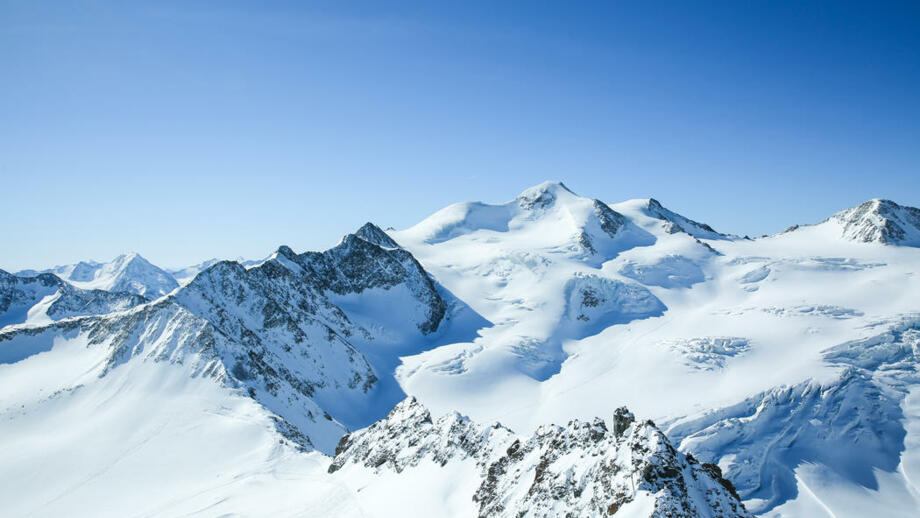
[
  {"x": 126, "y": 273},
  {"x": 880, "y": 221}
]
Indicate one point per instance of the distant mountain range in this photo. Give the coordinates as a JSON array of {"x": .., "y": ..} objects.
[{"x": 420, "y": 371}]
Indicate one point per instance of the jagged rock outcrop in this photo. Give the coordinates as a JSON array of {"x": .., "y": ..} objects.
[
  {"x": 581, "y": 469},
  {"x": 410, "y": 435}
]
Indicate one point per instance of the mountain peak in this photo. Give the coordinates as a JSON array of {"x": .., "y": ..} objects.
[
  {"x": 130, "y": 257},
  {"x": 543, "y": 195},
  {"x": 373, "y": 234},
  {"x": 286, "y": 252},
  {"x": 880, "y": 221}
]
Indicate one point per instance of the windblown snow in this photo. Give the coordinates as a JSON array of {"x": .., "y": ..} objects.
[{"x": 479, "y": 363}]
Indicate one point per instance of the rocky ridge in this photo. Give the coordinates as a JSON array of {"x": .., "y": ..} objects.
[
  {"x": 269, "y": 330},
  {"x": 581, "y": 469}
]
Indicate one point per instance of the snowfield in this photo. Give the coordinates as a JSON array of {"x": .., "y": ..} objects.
[{"x": 479, "y": 363}]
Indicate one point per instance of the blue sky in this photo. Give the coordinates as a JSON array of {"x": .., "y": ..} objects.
[{"x": 188, "y": 130}]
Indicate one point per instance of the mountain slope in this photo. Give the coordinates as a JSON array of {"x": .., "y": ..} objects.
[
  {"x": 785, "y": 364},
  {"x": 743, "y": 322},
  {"x": 274, "y": 332}
]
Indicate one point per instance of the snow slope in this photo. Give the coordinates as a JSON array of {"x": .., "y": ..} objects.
[
  {"x": 743, "y": 321},
  {"x": 150, "y": 438}
]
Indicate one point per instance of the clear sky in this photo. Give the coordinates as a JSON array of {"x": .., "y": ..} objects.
[{"x": 188, "y": 130}]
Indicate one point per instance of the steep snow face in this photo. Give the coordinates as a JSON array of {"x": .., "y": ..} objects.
[
  {"x": 581, "y": 469},
  {"x": 308, "y": 312},
  {"x": 45, "y": 298},
  {"x": 126, "y": 273}
]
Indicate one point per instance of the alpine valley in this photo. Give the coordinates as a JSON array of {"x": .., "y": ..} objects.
[{"x": 555, "y": 355}]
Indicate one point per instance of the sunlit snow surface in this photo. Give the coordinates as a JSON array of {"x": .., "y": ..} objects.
[
  {"x": 753, "y": 317},
  {"x": 790, "y": 361}
]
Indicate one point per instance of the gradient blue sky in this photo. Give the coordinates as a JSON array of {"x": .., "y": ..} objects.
[{"x": 188, "y": 130}]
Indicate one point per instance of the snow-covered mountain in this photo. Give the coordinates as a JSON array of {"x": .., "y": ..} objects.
[
  {"x": 278, "y": 331},
  {"x": 875, "y": 221},
  {"x": 45, "y": 298},
  {"x": 681, "y": 323},
  {"x": 782, "y": 370},
  {"x": 126, "y": 273}
]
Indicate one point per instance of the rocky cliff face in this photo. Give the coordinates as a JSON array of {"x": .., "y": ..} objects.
[{"x": 581, "y": 469}]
